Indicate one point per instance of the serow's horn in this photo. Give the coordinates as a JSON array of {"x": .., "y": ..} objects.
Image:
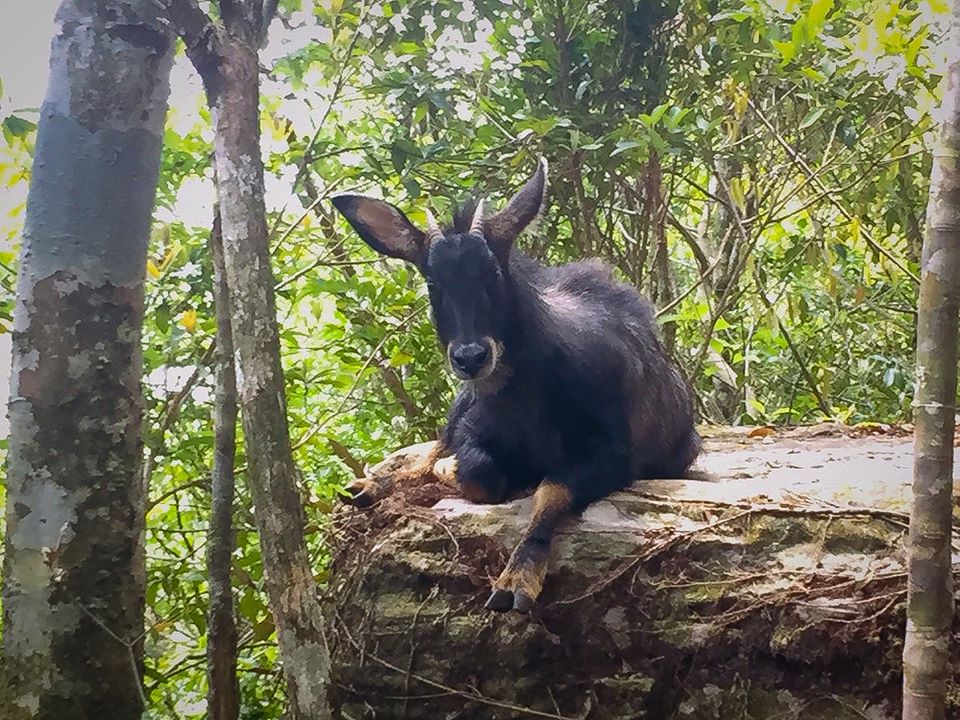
[
  {"x": 476, "y": 225},
  {"x": 434, "y": 232}
]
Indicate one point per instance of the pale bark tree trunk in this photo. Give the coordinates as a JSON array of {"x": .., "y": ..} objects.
[
  {"x": 225, "y": 55},
  {"x": 74, "y": 579},
  {"x": 223, "y": 690},
  {"x": 926, "y": 651}
]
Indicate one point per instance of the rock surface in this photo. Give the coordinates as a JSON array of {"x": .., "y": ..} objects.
[{"x": 775, "y": 592}]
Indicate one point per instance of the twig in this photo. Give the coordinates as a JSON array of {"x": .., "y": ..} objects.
[
  {"x": 474, "y": 696},
  {"x": 130, "y": 650},
  {"x": 686, "y": 293},
  {"x": 342, "y": 452},
  {"x": 795, "y": 156},
  {"x": 267, "y": 12},
  {"x": 316, "y": 427},
  {"x": 650, "y": 553},
  {"x": 169, "y": 414},
  {"x": 808, "y": 376},
  {"x": 891, "y": 516},
  {"x": 698, "y": 253}
]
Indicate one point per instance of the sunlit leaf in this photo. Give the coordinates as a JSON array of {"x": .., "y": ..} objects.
[
  {"x": 188, "y": 320},
  {"x": 786, "y": 48},
  {"x": 818, "y": 12}
]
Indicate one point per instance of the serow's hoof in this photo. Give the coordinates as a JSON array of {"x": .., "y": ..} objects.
[
  {"x": 502, "y": 600},
  {"x": 360, "y": 494}
]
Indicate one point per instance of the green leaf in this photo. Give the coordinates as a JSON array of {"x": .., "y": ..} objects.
[
  {"x": 401, "y": 358},
  {"x": 819, "y": 11},
  {"x": 787, "y": 50},
  {"x": 738, "y": 15},
  {"x": 658, "y": 113},
  {"x": 813, "y": 74},
  {"x": 737, "y": 193},
  {"x": 541, "y": 64},
  {"x": 412, "y": 187},
  {"x": 623, "y": 145},
  {"x": 811, "y": 117},
  {"x": 801, "y": 33},
  {"x": 16, "y": 127}
]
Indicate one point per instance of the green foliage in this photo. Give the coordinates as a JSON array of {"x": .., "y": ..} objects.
[{"x": 757, "y": 167}]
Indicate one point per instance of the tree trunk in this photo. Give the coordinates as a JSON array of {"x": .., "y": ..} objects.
[
  {"x": 273, "y": 478},
  {"x": 223, "y": 691},
  {"x": 225, "y": 56},
  {"x": 926, "y": 651},
  {"x": 73, "y": 594}
]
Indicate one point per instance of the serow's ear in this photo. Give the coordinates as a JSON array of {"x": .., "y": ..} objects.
[
  {"x": 383, "y": 227},
  {"x": 502, "y": 229}
]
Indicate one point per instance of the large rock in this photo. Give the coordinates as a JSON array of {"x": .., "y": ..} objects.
[{"x": 777, "y": 592}]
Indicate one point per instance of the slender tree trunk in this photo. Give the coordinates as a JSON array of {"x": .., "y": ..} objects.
[
  {"x": 226, "y": 58},
  {"x": 656, "y": 211},
  {"x": 926, "y": 650},
  {"x": 277, "y": 503},
  {"x": 223, "y": 691},
  {"x": 74, "y": 580}
]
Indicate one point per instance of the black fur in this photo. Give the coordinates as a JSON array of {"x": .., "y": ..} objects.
[{"x": 583, "y": 393}]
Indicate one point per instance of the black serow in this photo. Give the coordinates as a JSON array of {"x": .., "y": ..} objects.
[{"x": 566, "y": 387}]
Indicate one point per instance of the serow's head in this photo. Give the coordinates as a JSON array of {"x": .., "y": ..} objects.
[{"x": 465, "y": 266}]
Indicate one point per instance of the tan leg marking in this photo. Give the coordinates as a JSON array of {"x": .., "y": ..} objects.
[
  {"x": 521, "y": 582},
  {"x": 445, "y": 470},
  {"x": 396, "y": 471}
]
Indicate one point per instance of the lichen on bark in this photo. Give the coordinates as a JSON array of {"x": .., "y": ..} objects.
[
  {"x": 225, "y": 55},
  {"x": 930, "y": 605}
]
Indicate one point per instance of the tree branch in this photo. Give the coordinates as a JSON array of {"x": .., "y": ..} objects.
[
  {"x": 267, "y": 13},
  {"x": 703, "y": 262},
  {"x": 244, "y": 19},
  {"x": 223, "y": 692},
  {"x": 343, "y": 452},
  {"x": 393, "y": 382},
  {"x": 798, "y": 160},
  {"x": 231, "y": 11},
  {"x": 202, "y": 40}
]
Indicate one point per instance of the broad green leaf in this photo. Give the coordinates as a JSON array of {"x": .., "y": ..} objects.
[
  {"x": 811, "y": 117},
  {"x": 399, "y": 357},
  {"x": 623, "y": 145},
  {"x": 787, "y": 50},
  {"x": 17, "y": 127},
  {"x": 819, "y": 10}
]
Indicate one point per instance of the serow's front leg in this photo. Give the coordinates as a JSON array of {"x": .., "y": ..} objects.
[
  {"x": 520, "y": 584},
  {"x": 428, "y": 462}
]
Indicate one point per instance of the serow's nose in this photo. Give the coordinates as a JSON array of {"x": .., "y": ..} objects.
[{"x": 470, "y": 358}]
